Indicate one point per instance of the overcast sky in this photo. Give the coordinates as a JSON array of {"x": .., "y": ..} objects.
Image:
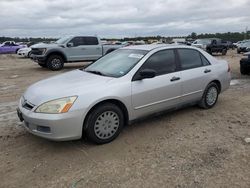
[{"x": 120, "y": 18}]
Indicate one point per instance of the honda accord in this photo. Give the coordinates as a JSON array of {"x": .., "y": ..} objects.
[{"x": 129, "y": 83}]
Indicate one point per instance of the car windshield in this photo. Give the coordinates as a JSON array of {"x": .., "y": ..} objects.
[
  {"x": 117, "y": 63},
  {"x": 62, "y": 40},
  {"x": 202, "y": 41}
]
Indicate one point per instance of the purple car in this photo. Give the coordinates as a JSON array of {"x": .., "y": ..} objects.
[{"x": 10, "y": 47}]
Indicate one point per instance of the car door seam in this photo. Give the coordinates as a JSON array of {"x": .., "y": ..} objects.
[{"x": 165, "y": 100}]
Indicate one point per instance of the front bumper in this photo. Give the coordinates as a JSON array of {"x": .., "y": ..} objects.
[
  {"x": 38, "y": 58},
  {"x": 24, "y": 54},
  {"x": 57, "y": 127}
]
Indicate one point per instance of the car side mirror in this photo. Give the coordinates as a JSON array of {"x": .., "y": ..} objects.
[
  {"x": 147, "y": 73},
  {"x": 70, "y": 44}
]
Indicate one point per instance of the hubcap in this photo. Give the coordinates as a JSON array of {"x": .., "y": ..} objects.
[
  {"x": 211, "y": 97},
  {"x": 56, "y": 63},
  {"x": 106, "y": 125}
]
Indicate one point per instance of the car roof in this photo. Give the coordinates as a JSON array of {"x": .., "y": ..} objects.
[{"x": 150, "y": 47}]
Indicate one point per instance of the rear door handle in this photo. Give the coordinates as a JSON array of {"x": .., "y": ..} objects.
[
  {"x": 83, "y": 48},
  {"x": 207, "y": 70},
  {"x": 175, "y": 79}
]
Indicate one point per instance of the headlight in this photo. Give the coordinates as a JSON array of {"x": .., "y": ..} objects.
[
  {"x": 42, "y": 50},
  {"x": 57, "y": 106}
]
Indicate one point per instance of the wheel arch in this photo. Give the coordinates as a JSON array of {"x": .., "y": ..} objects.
[
  {"x": 116, "y": 102},
  {"x": 50, "y": 53},
  {"x": 217, "y": 82}
]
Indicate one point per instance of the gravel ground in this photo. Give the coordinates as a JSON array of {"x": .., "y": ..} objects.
[{"x": 190, "y": 147}]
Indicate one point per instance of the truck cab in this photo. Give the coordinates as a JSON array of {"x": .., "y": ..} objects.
[{"x": 70, "y": 49}]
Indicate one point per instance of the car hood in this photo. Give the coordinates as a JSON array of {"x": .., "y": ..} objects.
[
  {"x": 24, "y": 49},
  {"x": 68, "y": 84},
  {"x": 44, "y": 45}
]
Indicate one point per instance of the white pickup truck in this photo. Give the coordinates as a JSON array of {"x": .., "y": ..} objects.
[{"x": 70, "y": 49}]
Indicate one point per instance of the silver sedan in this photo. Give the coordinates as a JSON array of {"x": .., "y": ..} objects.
[{"x": 124, "y": 85}]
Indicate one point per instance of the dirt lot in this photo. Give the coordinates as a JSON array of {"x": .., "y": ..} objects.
[{"x": 186, "y": 148}]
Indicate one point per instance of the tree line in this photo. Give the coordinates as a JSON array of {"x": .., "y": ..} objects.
[{"x": 229, "y": 36}]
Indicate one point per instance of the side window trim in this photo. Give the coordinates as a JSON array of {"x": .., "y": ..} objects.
[
  {"x": 92, "y": 38},
  {"x": 134, "y": 78},
  {"x": 200, "y": 54}
]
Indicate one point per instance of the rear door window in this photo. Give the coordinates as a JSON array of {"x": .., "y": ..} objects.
[
  {"x": 90, "y": 41},
  {"x": 189, "y": 58},
  {"x": 204, "y": 60}
]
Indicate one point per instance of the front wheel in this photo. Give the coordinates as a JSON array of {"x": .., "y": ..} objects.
[
  {"x": 243, "y": 70},
  {"x": 224, "y": 51},
  {"x": 29, "y": 54},
  {"x": 55, "y": 62},
  {"x": 104, "y": 123},
  {"x": 210, "y": 96},
  {"x": 209, "y": 51}
]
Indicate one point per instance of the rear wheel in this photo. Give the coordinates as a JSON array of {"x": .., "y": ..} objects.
[
  {"x": 55, "y": 62},
  {"x": 104, "y": 123},
  {"x": 210, "y": 96},
  {"x": 109, "y": 51}
]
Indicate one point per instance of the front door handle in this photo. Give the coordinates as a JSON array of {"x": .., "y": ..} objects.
[
  {"x": 83, "y": 48},
  {"x": 175, "y": 79},
  {"x": 207, "y": 70}
]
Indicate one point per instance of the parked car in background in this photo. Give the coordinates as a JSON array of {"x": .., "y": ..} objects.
[
  {"x": 228, "y": 44},
  {"x": 245, "y": 64},
  {"x": 201, "y": 43},
  {"x": 211, "y": 46},
  {"x": 10, "y": 47},
  {"x": 70, "y": 49},
  {"x": 24, "y": 52},
  {"x": 243, "y": 47},
  {"x": 122, "y": 86}
]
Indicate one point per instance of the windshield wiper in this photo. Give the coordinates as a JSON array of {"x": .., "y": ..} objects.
[{"x": 96, "y": 72}]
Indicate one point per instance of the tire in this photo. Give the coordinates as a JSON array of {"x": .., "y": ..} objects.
[
  {"x": 243, "y": 70},
  {"x": 238, "y": 51},
  {"x": 42, "y": 65},
  {"x": 55, "y": 62},
  {"x": 224, "y": 52},
  {"x": 29, "y": 54},
  {"x": 109, "y": 51},
  {"x": 210, "y": 96},
  {"x": 104, "y": 123},
  {"x": 209, "y": 51}
]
